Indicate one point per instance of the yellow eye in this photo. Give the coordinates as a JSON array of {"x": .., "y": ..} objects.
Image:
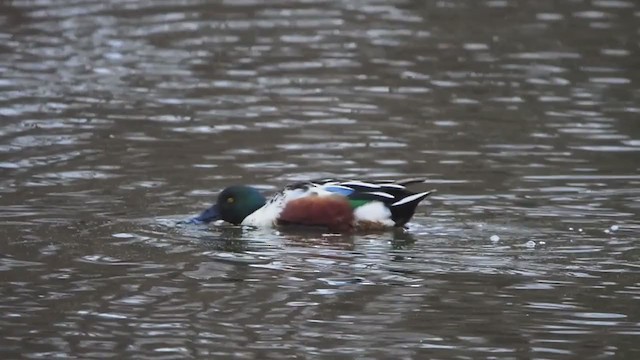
[{"x": 230, "y": 200}]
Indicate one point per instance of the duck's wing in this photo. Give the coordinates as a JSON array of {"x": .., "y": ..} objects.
[{"x": 371, "y": 200}]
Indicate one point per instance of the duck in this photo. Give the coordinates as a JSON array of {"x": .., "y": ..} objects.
[{"x": 338, "y": 205}]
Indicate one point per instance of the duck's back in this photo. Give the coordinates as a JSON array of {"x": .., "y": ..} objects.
[{"x": 341, "y": 205}]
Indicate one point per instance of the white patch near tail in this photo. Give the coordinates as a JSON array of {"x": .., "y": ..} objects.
[
  {"x": 411, "y": 198},
  {"x": 360, "y": 183},
  {"x": 374, "y": 211},
  {"x": 382, "y": 194}
]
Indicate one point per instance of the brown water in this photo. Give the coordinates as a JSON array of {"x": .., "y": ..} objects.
[{"x": 118, "y": 118}]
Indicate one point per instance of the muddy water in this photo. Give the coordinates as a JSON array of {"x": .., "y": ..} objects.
[{"x": 119, "y": 118}]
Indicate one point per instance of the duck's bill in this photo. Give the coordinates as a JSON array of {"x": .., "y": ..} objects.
[{"x": 207, "y": 216}]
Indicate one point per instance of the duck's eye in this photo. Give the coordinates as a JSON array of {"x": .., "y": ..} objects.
[{"x": 230, "y": 200}]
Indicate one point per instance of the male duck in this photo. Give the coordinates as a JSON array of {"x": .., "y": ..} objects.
[{"x": 337, "y": 205}]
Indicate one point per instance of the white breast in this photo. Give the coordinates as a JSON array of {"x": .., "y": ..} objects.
[{"x": 267, "y": 215}]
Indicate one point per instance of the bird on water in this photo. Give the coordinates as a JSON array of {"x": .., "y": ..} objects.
[{"x": 339, "y": 205}]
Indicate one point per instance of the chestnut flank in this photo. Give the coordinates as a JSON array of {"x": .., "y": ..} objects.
[{"x": 334, "y": 212}]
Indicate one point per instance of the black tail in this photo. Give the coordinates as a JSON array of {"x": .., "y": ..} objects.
[{"x": 402, "y": 210}]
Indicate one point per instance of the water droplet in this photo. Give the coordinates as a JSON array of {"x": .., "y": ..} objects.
[
  {"x": 614, "y": 227},
  {"x": 530, "y": 244},
  {"x": 494, "y": 238}
]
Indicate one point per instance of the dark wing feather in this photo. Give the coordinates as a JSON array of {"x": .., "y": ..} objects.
[{"x": 393, "y": 194}]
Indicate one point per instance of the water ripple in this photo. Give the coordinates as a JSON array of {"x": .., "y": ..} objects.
[{"x": 120, "y": 118}]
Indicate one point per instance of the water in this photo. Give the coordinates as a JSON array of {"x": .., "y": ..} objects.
[{"x": 119, "y": 118}]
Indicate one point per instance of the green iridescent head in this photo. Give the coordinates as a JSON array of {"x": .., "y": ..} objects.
[{"x": 234, "y": 204}]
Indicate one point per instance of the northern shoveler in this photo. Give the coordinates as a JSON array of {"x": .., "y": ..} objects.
[{"x": 337, "y": 205}]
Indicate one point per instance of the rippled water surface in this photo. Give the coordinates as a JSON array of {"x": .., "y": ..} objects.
[{"x": 118, "y": 118}]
